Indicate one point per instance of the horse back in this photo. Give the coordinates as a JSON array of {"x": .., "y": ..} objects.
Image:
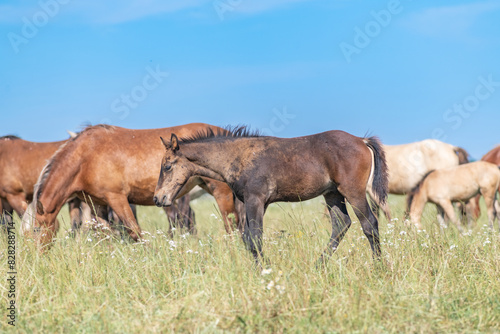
[
  {"x": 319, "y": 163},
  {"x": 21, "y": 162},
  {"x": 113, "y": 159},
  {"x": 493, "y": 156}
]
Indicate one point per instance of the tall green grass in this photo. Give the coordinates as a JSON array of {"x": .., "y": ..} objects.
[{"x": 436, "y": 280}]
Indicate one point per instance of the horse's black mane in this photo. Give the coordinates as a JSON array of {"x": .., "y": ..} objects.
[
  {"x": 238, "y": 131},
  {"x": 11, "y": 137}
]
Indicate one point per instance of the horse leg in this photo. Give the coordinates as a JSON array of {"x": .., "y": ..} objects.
[
  {"x": 448, "y": 208},
  {"x": 469, "y": 212},
  {"x": 369, "y": 223},
  {"x": 186, "y": 214},
  {"x": 18, "y": 203},
  {"x": 6, "y": 213},
  {"x": 121, "y": 207},
  {"x": 171, "y": 212},
  {"x": 440, "y": 216},
  {"x": 225, "y": 200},
  {"x": 254, "y": 226},
  {"x": 340, "y": 223},
  {"x": 75, "y": 214},
  {"x": 241, "y": 216},
  {"x": 387, "y": 212},
  {"x": 489, "y": 200},
  {"x": 374, "y": 204},
  {"x": 474, "y": 207}
]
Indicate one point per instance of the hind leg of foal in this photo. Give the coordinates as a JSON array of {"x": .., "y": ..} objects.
[
  {"x": 340, "y": 223},
  {"x": 121, "y": 207},
  {"x": 369, "y": 223}
]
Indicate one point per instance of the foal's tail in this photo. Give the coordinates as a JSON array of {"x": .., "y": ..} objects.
[{"x": 379, "y": 174}]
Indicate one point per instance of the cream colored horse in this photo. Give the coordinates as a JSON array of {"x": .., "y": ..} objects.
[
  {"x": 460, "y": 183},
  {"x": 409, "y": 163}
]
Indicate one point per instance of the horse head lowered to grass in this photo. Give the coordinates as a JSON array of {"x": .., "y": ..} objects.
[
  {"x": 261, "y": 170},
  {"x": 112, "y": 166}
]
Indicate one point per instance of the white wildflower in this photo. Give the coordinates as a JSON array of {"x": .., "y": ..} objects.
[{"x": 266, "y": 271}]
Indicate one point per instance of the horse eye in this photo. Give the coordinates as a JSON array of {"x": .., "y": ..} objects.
[{"x": 169, "y": 167}]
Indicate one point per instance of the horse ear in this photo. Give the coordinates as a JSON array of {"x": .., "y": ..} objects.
[
  {"x": 165, "y": 143},
  {"x": 39, "y": 208},
  {"x": 175, "y": 142}
]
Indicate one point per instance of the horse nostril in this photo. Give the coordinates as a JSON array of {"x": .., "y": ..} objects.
[
  {"x": 164, "y": 199},
  {"x": 155, "y": 199}
]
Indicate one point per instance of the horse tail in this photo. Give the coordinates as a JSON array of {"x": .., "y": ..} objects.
[
  {"x": 463, "y": 155},
  {"x": 415, "y": 191},
  {"x": 379, "y": 174}
]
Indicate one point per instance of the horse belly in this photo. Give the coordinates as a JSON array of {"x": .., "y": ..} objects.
[{"x": 305, "y": 186}]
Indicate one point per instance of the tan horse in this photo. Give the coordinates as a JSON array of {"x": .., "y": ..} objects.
[
  {"x": 492, "y": 156},
  {"x": 409, "y": 163},
  {"x": 112, "y": 166},
  {"x": 453, "y": 184}
]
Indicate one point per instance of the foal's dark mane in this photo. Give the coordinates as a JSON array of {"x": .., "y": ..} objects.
[
  {"x": 414, "y": 191},
  {"x": 11, "y": 137},
  {"x": 209, "y": 135}
]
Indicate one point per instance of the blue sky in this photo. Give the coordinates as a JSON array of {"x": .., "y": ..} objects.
[{"x": 403, "y": 70}]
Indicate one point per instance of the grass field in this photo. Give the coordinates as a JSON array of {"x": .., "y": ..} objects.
[{"x": 433, "y": 281}]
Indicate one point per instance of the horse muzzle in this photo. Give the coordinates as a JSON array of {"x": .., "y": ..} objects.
[{"x": 162, "y": 201}]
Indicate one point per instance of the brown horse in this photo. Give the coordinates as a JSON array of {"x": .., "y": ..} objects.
[
  {"x": 263, "y": 170},
  {"x": 112, "y": 166},
  {"x": 460, "y": 183},
  {"x": 21, "y": 162},
  {"x": 493, "y": 157}
]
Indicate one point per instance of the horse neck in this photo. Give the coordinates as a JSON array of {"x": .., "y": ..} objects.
[
  {"x": 211, "y": 159},
  {"x": 55, "y": 184}
]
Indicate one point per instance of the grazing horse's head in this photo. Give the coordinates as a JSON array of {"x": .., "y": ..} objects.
[{"x": 175, "y": 172}]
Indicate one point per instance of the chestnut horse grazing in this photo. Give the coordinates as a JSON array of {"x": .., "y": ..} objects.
[
  {"x": 111, "y": 166},
  {"x": 262, "y": 170},
  {"x": 21, "y": 162},
  {"x": 409, "y": 163},
  {"x": 460, "y": 183}
]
